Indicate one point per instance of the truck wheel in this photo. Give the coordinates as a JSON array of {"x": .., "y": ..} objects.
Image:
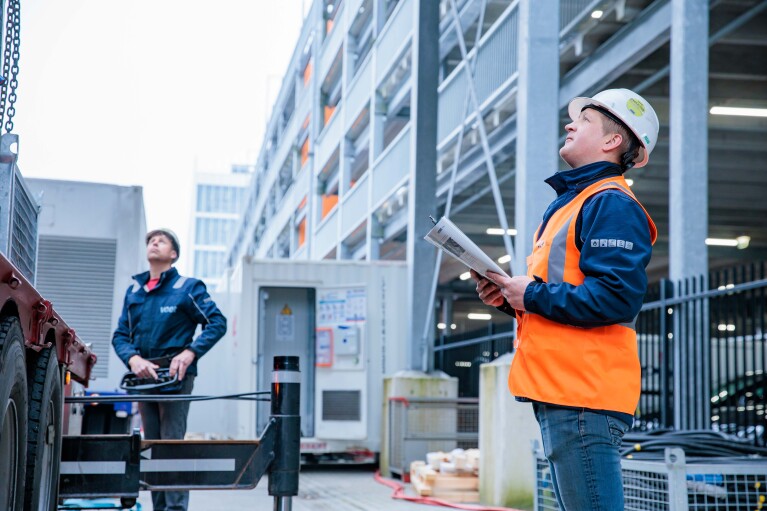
[
  {"x": 13, "y": 415},
  {"x": 44, "y": 433}
]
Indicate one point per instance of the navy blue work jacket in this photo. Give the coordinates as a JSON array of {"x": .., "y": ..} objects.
[
  {"x": 616, "y": 281},
  {"x": 162, "y": 322}
]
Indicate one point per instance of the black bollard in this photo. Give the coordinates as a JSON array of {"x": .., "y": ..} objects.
[{"x": 286, "y": 402}]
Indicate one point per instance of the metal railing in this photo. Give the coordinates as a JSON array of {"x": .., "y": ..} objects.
[
  {"x": 702, "y": 347},
  {"x": 418, "y": 426}
]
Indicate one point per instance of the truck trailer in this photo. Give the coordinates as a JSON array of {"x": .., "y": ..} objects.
[{"x": 40, "y": 356}]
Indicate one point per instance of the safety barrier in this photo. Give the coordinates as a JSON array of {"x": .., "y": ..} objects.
[
  {"x": 96, "y": 466},
  {"x": 421, "y": 425}
]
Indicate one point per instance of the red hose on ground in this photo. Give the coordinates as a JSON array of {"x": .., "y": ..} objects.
[{"x": 399, "y": 493}]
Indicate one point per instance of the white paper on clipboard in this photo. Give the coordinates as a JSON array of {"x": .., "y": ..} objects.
[{"x": 449, "y": 238}]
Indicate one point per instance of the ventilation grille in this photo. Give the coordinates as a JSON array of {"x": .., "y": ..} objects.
[
  {"x": 341, "y": 405},
  {"x": 78, "y": 276},
  {"x": 23, "y": 249}
]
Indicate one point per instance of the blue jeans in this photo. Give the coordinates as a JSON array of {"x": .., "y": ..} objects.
[{"x": 582, "y": 448}]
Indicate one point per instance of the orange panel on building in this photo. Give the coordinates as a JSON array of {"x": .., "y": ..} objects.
[
  {"x": 329, "y": 111},
  {"x": 328, "y": 203},
  {"x": 308, "y": 72},
  {"x": 305, "y": 152},
  {"x": 302, "y": 233}
]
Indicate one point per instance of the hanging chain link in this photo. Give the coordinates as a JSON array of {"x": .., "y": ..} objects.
[{"x": 10, "y": 63}]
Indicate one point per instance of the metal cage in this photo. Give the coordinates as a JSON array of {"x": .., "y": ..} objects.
[
  {"x": 421, "y": 425},
  {"x": 674, "y": 484}
]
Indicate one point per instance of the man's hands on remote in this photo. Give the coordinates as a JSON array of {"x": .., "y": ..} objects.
[
  {"x": 142, "y": 367},
  {"x": 180, "y": 363}
]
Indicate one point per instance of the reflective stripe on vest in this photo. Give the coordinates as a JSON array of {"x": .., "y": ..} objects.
[{"x": 596, "y": 368}]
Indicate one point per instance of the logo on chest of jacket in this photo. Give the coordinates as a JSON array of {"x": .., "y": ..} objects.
[{"x": 168, "y": 309}]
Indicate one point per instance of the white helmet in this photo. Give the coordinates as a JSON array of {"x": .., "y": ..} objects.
[{"x": 632, "y": 109}]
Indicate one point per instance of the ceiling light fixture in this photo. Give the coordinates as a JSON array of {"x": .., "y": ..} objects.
[
  {"x": 497, "y": 231},
  {"x": 597, "y": 14},
  {"x": 739, "y": 111},
  {"x": 480, "y": 316},
  {"x": 504, "y": 259},
  {"x": 740, "y": 242},
  {"x": 465, "y": 276}
]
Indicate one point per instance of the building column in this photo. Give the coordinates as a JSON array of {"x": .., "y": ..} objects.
[
  {"x": 688, "y": 147},
  {"x": 688, "y": 197},
  {"x": 537, "y": 119},
  {"x": 423, "y": 179}
]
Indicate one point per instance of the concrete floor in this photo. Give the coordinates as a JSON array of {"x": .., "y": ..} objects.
[{"x": 320, "y": 489}]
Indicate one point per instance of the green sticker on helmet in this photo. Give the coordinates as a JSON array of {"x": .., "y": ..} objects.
[
  {"x": 646, "y": 139},
  {"x": 635, "y": 106}
]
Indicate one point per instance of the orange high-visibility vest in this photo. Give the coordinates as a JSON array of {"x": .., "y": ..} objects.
[{"x": 596, "y": 368}]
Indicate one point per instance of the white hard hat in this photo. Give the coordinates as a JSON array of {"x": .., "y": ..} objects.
[{"x": 632, "y": 109}]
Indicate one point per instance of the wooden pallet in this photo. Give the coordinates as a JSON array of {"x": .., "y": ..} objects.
[{"x": 456, "y": 488}]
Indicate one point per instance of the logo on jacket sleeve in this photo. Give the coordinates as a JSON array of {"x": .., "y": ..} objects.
[
  {"x": 602, "y": 243},
  {"x": 168, "y": 309}
]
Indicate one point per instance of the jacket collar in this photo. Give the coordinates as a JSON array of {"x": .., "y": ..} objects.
[
  {"x": 143, "y": 278},
  {"x": 579, "y": 178}
]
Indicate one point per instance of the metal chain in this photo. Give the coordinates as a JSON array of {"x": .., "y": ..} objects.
[
  {"x": 14, "y": 82},
  {"x": 6, "y": 58}
]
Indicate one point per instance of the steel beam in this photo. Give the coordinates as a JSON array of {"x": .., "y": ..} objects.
[
  {"x": 537, "y": 118},
  {"x": 423, "y": 173},
  {"x": 688, "y": 174},
  {"x": 623, "y": 51}
]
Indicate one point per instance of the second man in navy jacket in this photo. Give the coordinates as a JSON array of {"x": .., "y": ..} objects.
[{"x": 160, "y": 316}]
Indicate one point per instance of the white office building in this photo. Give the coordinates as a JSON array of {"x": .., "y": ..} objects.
[{"x": 217, "y": 207}]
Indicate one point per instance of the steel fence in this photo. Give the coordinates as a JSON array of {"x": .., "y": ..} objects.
[
  {"x": 703, "y": 349},
  {"x": 675, "y": 484},
  {"x": 462, "y": 354},
  {"x": 421, "y": 425}
]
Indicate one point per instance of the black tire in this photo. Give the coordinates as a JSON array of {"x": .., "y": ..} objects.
[
  {"x": 44, "y": 433},
  {"x": 13, "y": 415}
]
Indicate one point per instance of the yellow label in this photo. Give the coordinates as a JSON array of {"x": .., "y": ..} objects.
[
  {"x": 635, "y": 106},
  {"x": 286, "y": 311}
]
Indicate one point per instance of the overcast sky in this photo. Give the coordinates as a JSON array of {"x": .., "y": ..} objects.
[{"x": 143, "y": 92}]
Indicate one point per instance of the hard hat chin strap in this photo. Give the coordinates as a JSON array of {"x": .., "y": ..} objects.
[{"x": 627, "y": 158}]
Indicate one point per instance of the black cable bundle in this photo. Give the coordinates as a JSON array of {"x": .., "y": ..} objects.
[{"x": 731, "y": 490}]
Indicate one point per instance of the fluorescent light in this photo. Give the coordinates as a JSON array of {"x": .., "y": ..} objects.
[
  {"x": 497, "y": 231},
  {"x": 504, "y": 259},
  {"x": 478, "y": 315},
  {"x": 453, "y": 326},
  {"x": 740, "y": 242},
  {"x": 465, "y": 276},
  {"x": 441, "y": 326},
  {"x": 743, "y": 241},
  {"x": 597, "y": 14},
  {"x": 739, "y": 111},
  {"x": 630, "y": 182}
]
